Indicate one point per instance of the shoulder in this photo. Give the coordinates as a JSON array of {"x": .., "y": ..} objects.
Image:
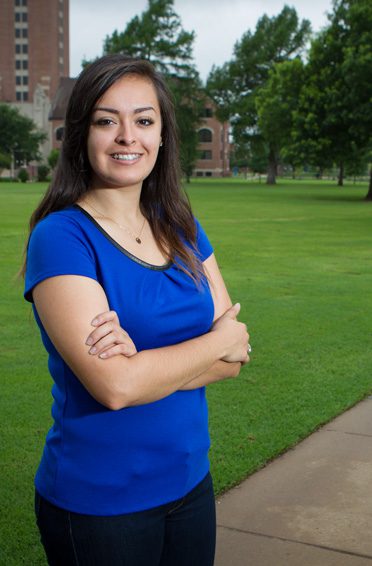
[
  {"x": 66, "y": 218},
  {"x": 59, "y": 245},
  {"x": 203, "y": 243}
]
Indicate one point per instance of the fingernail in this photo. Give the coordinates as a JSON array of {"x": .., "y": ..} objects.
[
  {"x": 94, "y": 322},
  {"x": 89, "y": 341},
  {"x": 93, "y": 350},
  {"x": 103, "y": 355}
]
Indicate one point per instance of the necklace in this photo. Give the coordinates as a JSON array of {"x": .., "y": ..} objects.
[{"x": 136, "y": 238}]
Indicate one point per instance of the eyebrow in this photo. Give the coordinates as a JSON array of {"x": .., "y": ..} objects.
[{"x": 114, "y": 111}]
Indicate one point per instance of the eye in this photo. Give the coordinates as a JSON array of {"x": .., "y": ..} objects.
[
  {"x": 145, "y": 121},
  {"x": 103, "y": 122}
]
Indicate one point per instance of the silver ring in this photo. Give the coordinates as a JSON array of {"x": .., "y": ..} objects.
[{"x": 249, "y": 349}]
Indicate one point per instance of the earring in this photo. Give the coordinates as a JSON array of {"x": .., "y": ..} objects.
[{"x": 161, "y": 143}]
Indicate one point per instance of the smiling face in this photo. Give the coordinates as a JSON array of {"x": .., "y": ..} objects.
[{"x": 125, "y": 134}]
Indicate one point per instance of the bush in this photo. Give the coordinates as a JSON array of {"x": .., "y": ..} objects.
[
  {"x": 53, "y": 158},
  {"x": 42, "y": 173},
  {"x": 23, "y": 175}
]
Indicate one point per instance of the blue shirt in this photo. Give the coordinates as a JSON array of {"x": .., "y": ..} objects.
[{"x": 102, "y": 462}]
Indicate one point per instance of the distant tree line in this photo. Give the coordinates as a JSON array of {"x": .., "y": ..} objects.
[{"x": 295, "y": 111}]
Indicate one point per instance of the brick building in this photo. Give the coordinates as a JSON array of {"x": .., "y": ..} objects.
[
  {"x": 34, "y": 47},
  {"x": 214, "y": 146}
]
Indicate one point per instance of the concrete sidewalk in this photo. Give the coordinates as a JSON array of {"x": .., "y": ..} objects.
[{"x": 311, "y": 506}]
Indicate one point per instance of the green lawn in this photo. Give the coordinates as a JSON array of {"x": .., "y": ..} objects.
[{"x": 296, "y": 256}]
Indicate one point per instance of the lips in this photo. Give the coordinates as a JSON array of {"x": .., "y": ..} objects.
[{"x": 126, "y": 156}]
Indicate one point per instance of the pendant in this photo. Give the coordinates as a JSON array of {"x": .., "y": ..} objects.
[{"x": 138, "y": 240}]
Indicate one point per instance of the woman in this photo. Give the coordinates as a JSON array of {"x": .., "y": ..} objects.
[{"x": 136, "y": 320}]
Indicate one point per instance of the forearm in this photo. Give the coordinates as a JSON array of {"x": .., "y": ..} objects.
[
  {"x": 154, "y": 374},
  {"x": 217, "y": 372}
]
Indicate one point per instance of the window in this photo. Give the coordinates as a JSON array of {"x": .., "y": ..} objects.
[
  {"x": 24, "y": 2},
  {"x": 24, "y": 48},
  {"x": 18, "y": 64},
  {"x": 205, "y": 135},
  {"x": 17, "y": 48},
  {"x": 25, "y": 32},
  {"x": 24, "y": 17},
  {"x": 25, "y": 96},
  {"x": 208, "y": 173},
  {"x": 18, "y": 96},
  {"x": 18, "y": 32},
  {"x": 17, "y": 17},
  {"x": 24, "y": 64},
  {"x": 206, "y": 113},
  {"x": 59, "y": 133},
  {"x": 206, "y": 154},
  {"x": 18, "y": 80},
  {"x": 25, "y": 80},
  {"x": 17, "y": 2}
]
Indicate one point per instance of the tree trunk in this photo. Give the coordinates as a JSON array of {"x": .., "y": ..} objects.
[
  {"x": 271, "y": 169},
  {"x": 340, "y": 181},
  {"x": 369, "y": 194}
]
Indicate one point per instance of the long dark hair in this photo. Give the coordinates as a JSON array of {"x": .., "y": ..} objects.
[{"x": 163, "y": 202}]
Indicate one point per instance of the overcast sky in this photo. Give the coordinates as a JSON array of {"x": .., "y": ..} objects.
[{"x": 218, "y": 24}]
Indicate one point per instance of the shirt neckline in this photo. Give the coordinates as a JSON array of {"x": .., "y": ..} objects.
[{"x": 120, "y": 248}]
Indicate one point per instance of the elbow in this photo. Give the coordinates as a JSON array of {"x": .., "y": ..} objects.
[
  {"x": 113, "y": 385},
  {"x": 117, "y": 398},
  {"x": 121, "y": 395},
  {"x": 117, "y": 394}
]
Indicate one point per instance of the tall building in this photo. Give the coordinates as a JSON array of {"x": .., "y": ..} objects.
[{"x": 34, "y": 48}]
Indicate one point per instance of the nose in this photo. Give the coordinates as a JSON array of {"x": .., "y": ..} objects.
[{"x": 125, "y": 136}]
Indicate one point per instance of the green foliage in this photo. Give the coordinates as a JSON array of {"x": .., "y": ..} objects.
[
  {"x": 235, "y": 86},
  {"x": 42, "y": 173},
  {"x": 53, "y": 158},
  {"x": 157, "y": 35},
  {"x": 23, "y": 175},
  {"x": 298, "y": 312},
  {"x": 19, "y": 136},
  {"x": 276, "y": 103},
  {"x": 5, "y": 161},
  {"x": 334, "y": 121}
]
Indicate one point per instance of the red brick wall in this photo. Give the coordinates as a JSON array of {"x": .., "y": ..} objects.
[
  {"x": 7, "y": 81},
  {"x": 47, "y": 39},
  {"x": 218, "y": 148}
]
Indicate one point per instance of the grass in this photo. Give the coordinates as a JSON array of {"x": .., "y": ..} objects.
[{"x": 296, "y": 256}]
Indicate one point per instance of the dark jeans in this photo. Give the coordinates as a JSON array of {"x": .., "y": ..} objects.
[{"x": 181, "y": 533}]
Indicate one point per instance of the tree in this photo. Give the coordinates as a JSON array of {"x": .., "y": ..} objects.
[
  {"x": 19, "y": 137},
  {"x": 157, "y": 36},
  {"x": 276, "y": 103},
  {"x": 335, "y": 118},
  {"x": 235, "y": 85}
]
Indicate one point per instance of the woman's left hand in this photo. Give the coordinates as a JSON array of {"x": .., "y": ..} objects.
[{"x": 109, "y": 338}]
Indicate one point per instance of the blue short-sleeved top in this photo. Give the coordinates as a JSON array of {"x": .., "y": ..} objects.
[{"x": 103, "y": 462}]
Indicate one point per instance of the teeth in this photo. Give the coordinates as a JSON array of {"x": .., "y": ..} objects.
[{"x": 126, "y": 156}]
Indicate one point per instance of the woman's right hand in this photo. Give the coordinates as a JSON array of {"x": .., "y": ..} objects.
[{"x": 234, "y": 334}]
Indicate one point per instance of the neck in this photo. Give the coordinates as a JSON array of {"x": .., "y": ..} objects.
[{"x": 121, "y": 205}]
